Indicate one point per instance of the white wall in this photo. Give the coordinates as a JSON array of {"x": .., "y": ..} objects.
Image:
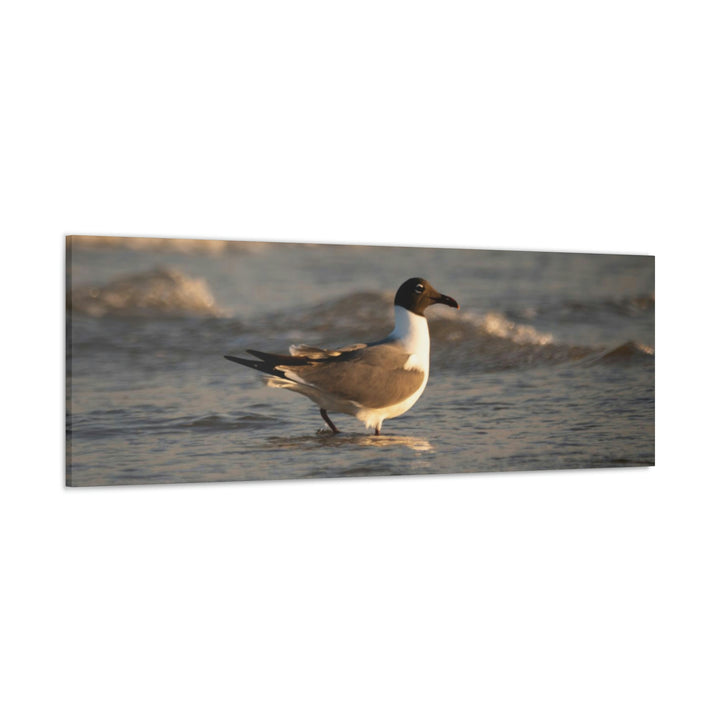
[{"x": 507, "y": 125}]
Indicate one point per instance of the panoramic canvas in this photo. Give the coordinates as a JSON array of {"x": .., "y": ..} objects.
[{"x": 202, "y": 360}]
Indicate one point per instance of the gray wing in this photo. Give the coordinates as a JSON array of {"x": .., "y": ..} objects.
[{"x": 372, "y": 376}]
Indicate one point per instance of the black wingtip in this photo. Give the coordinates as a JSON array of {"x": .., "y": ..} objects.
[
  {"x": 256, "y": 365},
  {"x": 242, "y": 361}
]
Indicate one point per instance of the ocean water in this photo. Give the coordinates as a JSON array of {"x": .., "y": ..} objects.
[{"x": 548, "y": 364}]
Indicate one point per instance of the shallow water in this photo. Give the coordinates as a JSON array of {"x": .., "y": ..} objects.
[{"x": 549, "y": 363}]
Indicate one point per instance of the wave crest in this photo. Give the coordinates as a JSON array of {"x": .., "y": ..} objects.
[
  {"x": 627, "y": 352},
  {"x": 162, "y": 291},
  {"x": 498, "y": 325}
]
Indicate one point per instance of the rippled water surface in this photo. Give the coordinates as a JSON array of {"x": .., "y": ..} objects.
[{"x": 548, "y": 364}]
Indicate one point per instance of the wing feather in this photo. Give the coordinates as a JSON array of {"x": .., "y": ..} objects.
[{"x": 372, "y": 376}]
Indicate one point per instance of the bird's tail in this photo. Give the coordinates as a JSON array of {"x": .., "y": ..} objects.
[{"x": 267, "y": 364}]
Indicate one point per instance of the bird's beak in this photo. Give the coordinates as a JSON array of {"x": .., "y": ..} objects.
[{"x": 446, "y": 300}]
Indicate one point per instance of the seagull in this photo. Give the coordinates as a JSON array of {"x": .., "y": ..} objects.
[{"x": 372, "y": 381}]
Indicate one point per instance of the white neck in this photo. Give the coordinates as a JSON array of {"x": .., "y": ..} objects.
[{"x": 411, "y": 331}]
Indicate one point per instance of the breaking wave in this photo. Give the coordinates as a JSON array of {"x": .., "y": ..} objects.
[
  {"x": 627, "y": 352},
  {"x": 462, "y": 340},
  {"x": 162, "y": 291}
]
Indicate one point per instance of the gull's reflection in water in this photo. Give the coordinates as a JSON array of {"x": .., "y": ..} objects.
[
  {"x": 349, "y": 440},
  {"x": 414, "y": 443}
]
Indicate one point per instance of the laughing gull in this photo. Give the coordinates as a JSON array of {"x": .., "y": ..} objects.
[{"x": 372, "y": 381}]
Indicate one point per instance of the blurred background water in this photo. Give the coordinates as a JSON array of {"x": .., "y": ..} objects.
[{"x": 549, "y": 363}]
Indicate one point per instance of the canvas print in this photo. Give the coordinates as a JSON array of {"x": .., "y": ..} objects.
[{"x": 208, "y": 360}]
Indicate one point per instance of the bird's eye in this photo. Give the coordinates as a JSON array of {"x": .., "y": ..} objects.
[{"x": 419, "y": 288}]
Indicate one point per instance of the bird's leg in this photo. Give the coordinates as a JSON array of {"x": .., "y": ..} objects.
[{"x": 330, "y": 423}]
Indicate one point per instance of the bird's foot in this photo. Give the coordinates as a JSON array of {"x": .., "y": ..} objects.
[{"x": 325, "y": 430}]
